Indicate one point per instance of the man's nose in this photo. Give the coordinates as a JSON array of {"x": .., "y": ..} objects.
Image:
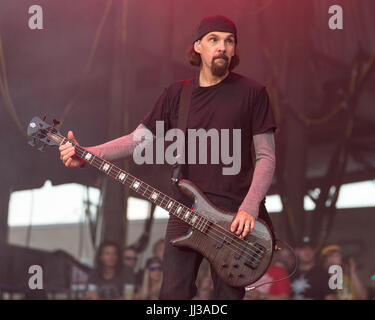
[{"x": 222, "y": 47}]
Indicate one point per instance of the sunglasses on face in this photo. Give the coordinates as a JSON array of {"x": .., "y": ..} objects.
[{"x": 153, "y": 268}]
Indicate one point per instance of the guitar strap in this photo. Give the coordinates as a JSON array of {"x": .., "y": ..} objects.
[{"x": 183, "y": 114}]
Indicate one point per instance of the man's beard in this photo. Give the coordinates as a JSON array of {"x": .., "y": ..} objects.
[{"x": 219, "y": 70}]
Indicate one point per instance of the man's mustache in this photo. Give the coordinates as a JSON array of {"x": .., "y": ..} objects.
[{"x": 221, "y": 56}]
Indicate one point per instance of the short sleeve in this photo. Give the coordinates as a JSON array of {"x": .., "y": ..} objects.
[
  {"x": 160, "y": 112},
  {"x": 263, "y": 119}
]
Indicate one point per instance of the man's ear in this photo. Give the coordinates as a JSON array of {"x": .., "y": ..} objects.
[{"x": 197, "y": 46}]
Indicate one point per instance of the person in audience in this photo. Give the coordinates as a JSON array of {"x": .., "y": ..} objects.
[
  {"x": 152, "y": 279},
  {"x": 272, "y": 291},
  {"x": 132, "y": 278},
  {"x": 158, "y": 248},
  {"x": 286, "y": 258},
  {"x": 129, "y": 257},
  {"x": 105, "y": 282},
  {"x": 352, "y": 287},
  {"x": 311, "y": 282}
]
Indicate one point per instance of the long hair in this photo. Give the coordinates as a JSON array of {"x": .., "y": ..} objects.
[
  {"x": 99, "y": 267},
  {"x": 145, "y": 292},
  {"x": 194, "y": 58}
]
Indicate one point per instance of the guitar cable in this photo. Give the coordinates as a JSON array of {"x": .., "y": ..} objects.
[{"x": 249, "y": 288}]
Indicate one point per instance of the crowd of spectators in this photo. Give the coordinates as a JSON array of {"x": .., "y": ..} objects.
[
  {"x": 119, "y": 275},
  {"x": 314, "y": 279}
]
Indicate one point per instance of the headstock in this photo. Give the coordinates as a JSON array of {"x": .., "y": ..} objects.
[{"x": 43, "y": 132}]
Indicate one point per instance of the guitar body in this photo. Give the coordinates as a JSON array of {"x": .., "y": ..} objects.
[{"x": 238, "y": 262}]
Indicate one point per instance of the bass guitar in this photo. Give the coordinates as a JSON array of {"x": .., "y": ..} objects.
[{"x": 238, "y": 262}]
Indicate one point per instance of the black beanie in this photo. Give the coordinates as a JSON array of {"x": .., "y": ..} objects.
[{"x": 215, "y": 23}]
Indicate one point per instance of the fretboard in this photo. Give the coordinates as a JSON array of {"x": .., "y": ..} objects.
[{"x": 174, "y": 207}]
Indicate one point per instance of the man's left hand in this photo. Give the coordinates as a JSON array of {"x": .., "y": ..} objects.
[{"x": 243, "y": 223}]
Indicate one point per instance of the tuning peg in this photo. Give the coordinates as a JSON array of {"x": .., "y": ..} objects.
[
  {"x": 41, "y": 148},
  {"x": 32, "y": 142}
]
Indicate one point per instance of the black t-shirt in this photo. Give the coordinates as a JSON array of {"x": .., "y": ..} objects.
[
  {"x": 310, "y": 285},
  {"x": 132, "y": 277},
  {"x": 236, "y": 102},
  {"x": 107, "y": 289}
]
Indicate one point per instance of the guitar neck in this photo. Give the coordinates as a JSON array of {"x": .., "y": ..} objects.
[{"x": 146, "y": 191}]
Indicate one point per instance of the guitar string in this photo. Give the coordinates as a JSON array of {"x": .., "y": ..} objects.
[
  {"x": 99, "y": 162},
  {"x": 231, "y": 236}
]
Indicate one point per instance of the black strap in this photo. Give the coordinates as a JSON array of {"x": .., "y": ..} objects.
[{"x": 183, "y": 114}]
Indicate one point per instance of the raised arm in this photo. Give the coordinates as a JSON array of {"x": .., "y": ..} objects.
[{"x": 113, "y": 150}]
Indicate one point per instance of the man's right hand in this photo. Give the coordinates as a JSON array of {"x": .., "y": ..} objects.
[{"x": 67, "y": 153}]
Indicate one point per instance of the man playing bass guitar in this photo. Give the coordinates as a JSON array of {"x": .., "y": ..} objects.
[{"x": 220, "y": 100}]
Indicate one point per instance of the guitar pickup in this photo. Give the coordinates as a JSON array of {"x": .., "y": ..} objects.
[
  {"x": 256, "y": 256},
  {"x": 226, "y": 240}
]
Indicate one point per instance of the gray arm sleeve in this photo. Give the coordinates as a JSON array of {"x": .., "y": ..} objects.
[
  {"x": 122, "y": 147},
  {"x": 264, "y": 145}
]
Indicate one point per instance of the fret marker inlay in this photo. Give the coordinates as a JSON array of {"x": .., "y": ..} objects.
[
  {"x": 136, "y": 184},
  {"x": 154, "y": 196},
  {"x": 88, "y": 156}
]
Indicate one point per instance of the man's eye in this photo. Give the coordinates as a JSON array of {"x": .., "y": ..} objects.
[
  {"x": 230, "y": 41},
  {"x": 212, "y": 39}
]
